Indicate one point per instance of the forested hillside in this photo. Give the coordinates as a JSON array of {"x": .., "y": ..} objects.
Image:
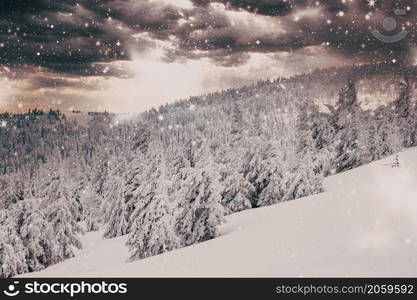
[{"x": 169, "y": 176}]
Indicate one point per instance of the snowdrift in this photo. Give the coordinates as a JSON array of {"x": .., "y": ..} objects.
[{"x": 364, "y": 225}]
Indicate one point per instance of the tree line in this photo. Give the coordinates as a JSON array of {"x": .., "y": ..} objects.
[{"x": 169, "y": 177}]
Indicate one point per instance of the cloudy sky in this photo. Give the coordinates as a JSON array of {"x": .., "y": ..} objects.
[{"x": 130, "y": 55}]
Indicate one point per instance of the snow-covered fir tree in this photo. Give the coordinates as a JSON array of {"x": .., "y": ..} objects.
[
  {"x": 113, "y": 206},
  {"x": 12, "y": 253},
  {"x": 200, "y": 210},
  {"x": 37, "y": 236},
  {"x": 153, "y": 230},
  {"x": 347, "y": 116},
  {"x": 65, "y": 228}
]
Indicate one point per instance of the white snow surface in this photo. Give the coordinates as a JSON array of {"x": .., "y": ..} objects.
[{"x": 364, "y": 225}]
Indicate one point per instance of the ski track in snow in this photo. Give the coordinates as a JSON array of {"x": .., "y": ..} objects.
[{"x": 364, "y": 225}]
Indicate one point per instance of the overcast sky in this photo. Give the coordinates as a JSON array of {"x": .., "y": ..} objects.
[{"x": 130, "y": 55}]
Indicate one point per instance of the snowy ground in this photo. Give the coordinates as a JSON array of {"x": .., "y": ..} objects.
[{"x": 365, "y": 224}]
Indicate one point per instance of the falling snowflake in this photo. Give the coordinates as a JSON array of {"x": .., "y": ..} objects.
[{"x": 371, "y": 3}]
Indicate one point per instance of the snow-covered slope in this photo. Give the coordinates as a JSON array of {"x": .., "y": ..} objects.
[{"x": 365, "y": 224}]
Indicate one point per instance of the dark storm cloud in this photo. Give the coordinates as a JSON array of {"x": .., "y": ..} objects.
[
  {"x": 345, "y": 26},
  {"x": 149, "y": 16},
  {"x": 263, "y": 7},
  {"x": 51, "y": 81},
  {"x": 81, "y": 37},
  {"x": 59, "y": 35},
  {"x": 46, "y": 82}
]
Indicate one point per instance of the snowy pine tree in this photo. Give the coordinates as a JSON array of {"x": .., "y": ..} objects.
[
  {"x": 236, "y": 192},
  {"x": 64, "y": 227},
  {"x": 347, "y": 114},
  {"x": 272, "y": 178},
  {"x": 200, "y": 211},
  {"x": 38, "y": 237},
  {"x": 305, "y": 180},
  {"x": 114, "y": 205},
  {"x": 124, "y": 191},
  {"x": 12, "y": 254},
  {"x": 153, "y": 232}
]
